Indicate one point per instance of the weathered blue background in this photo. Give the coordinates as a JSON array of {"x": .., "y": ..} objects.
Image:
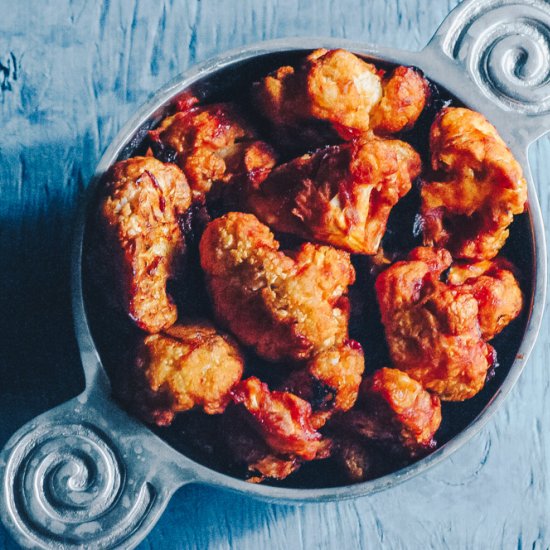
[{"x": 71, "y": 74}]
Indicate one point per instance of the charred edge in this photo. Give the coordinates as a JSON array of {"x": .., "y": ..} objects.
[
  {"x": 322, "y": 395},
  {"x": 163, "y": 152}
]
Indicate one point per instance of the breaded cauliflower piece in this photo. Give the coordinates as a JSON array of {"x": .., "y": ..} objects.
[
  {"x": 287, "y": 306},
  {"x": 496, "y": 289},
  {"x": 213, "y": 143},
  {"x": 405, "y": 93},
  {"x": 334, "y": 91},
  {"x": 340, "y": 195},
  {"x": 432, "y": 329},
  {"x": 476, "y": 189},
  {"x": 141, "y": 238},
  {"x": 333, "y": 86},
  {"x": 187, "y": 366},
  {"x": 394, "y": 421},
  {"x": 247, "y": 448},
  {"x": 329, "y": 381},
  {"x": 282, "y": 419},
  {"x": 397, "y": 406}
]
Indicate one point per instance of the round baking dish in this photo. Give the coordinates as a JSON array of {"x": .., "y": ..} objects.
[{"x": 87, "y": 474}]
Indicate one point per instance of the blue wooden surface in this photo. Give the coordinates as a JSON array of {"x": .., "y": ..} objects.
[{"x": 71, "y": 73}]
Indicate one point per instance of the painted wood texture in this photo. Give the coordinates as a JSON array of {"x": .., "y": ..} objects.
[{"x": 71, "y": 73}]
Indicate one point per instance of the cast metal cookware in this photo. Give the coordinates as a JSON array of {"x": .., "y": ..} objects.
[{"x": 88, "y": 475}]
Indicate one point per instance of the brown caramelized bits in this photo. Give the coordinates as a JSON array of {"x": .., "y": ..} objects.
[
  {"x": 141, "y": 241},
  {"x": 187, "y": 366},
  {"x": 213, "y": 143},
  {"x": 340, "y": 195},
  {"x": 354, "y": 458},
  {"x": 476, "y": 188},
  {"x": 432, "y": 328},
  {"x": 284, "y": 306}
]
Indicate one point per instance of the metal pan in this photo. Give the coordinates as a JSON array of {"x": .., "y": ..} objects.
[{"x": 86, "y": 474}]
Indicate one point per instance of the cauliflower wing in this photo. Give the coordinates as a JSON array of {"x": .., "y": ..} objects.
[
  {"x": 282, "y": 419},
  {"x": 340, "y": 195},
  {"x": 247, "y": 448},
  {"x": 405, "y": 93},
  {"x": 213, "y": 143},
  {"x": 334, "y": 92},
  {"x": 476, "y": 189},
  {"x": 286, "y": 306},
  {"x": 140, "y": 236},
  {"x": 432, "y": 328},
  {"x": 496, "y": 289},
  {"x": 187, "y": 366},
  {"x": 397, "y": 406},
  {"x": 329, "y": 381}
]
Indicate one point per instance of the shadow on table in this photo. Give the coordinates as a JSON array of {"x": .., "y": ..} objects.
[{"x": 39, "y": 361}]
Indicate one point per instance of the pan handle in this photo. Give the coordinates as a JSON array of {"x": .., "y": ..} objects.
[
  {"x": 503, "y": 46},
  {"x": 67, "y": 484}
]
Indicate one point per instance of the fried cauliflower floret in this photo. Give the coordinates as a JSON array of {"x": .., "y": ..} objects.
[
  {"x": 187, "y": 366},
  {"x": 395, "y": 421},
  {"x": 287, "y": 307},
  {"x": 329, "y": 381},
  {"x": 247, "y": 448},
  {"x": 213, "y": 143},
  {"x": 340, "y": 195},
  {"x": 432, "y": 329},
  {"x": 476, "y": 188},
  {"x": 398, "y": 405},
  {"x": 496, "y": 289},
  {"x": 405, "y": 93},
  {"x": 333, "y": 86},
  {"x": 346, "y": 94},
  {"x": 141, "y": 238},
  {"x": 282, "y": 419}
]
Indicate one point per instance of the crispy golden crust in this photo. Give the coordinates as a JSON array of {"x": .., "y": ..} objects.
[
  {"x": 286, "y": 307},
  {"x": 399, "y": 403},
  {"x": 340, "y": 195},
  {"x": 213, "y": 143},
  {"x": 395, "y": 421},
  {"x": 346, "y": 93},
  {"x": 282, "y": 419},
  {"x": 141, "y": 238},
  {"x": 432, "y": 329},
  {"x": 494, "y": 286},
  {"x": 188, "y": 366},
  {"x": 476, "y": 189},
  {"x": 405, "y": 93},
  {"x": 330, "y": 380},
  {"x": 333, "y": 86}
]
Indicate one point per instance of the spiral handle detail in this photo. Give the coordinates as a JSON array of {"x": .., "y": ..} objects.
[
  {"x": 67, "y": 484},
  {"x": 504, "y": 46}
]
